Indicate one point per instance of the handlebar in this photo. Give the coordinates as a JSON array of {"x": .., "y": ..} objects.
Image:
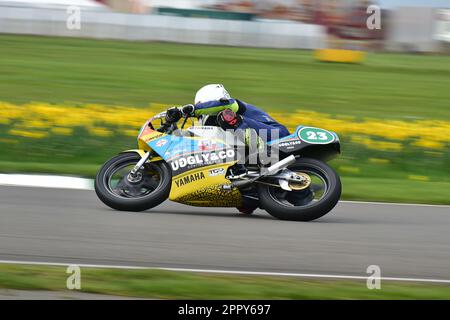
[{"x": 173, "y": 115}]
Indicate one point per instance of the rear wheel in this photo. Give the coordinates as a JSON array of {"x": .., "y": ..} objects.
[
  {"x": 303, "y": 204},
  {"x": 116, "y": 188}
]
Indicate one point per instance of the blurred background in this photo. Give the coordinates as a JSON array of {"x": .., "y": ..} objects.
[{"x": 78, "y": 78}]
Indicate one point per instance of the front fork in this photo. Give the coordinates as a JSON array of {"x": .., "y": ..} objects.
[{"x": 133, "y": 174}]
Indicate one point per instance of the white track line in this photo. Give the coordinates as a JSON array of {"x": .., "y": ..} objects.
[
  {"x": 396, "y": 204},
  {"x": 46, "y": 181},
  {"x": 238, "y": 272},
  {"x": 64, "y": 182}
]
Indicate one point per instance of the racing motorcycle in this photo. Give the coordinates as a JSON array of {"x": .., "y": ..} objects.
[{"x": 203, "y": 165}]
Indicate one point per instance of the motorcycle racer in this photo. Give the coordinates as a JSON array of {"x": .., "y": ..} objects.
[{"x": 289, "y": 177}]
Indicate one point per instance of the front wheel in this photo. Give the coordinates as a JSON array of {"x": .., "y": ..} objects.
[
  {"x": 303, "y": 203},
  {"x": 116, "y": 188}
]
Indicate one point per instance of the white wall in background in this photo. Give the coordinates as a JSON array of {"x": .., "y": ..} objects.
[
  {"x": 182, "y": 4},
  {"x": 412, "y": 29},
  {"x": 109, "y": 25},
  {"x": 52, "y": 3},
  {"x": 442, "y": 25}
]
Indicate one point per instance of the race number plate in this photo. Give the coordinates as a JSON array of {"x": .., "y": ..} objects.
[{"x": 315, "y": 135}]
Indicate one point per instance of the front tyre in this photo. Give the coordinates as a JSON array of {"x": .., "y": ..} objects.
[
  {"x": 308, "y": 204},
  {"x": 147, "y": 189}
]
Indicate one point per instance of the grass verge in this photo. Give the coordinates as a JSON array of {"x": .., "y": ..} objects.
[
  {"x": 395, "y": 190},
  {"x": 58, "y": 70},
  {"x": 161, "y": 284}
]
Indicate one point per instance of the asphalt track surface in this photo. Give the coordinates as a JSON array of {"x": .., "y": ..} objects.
[{"x": 72, "y": 226}]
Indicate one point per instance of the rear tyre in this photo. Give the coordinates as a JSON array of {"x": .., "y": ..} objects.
[
  {"x": 114, "y": 188},
  {"x": 302, "y": 205}
]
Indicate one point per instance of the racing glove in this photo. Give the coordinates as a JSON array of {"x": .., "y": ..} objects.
[
  {"x": 173, "y": 115},
  {"x": 188, "y": 110}
]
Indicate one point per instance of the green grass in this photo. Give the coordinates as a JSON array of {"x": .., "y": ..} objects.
[
  {"x": 135, "y": 73},
  {"x": 180, "y": 285},
  {"x": 395, "y": 190},
  {"x": 85, "y": 170}
]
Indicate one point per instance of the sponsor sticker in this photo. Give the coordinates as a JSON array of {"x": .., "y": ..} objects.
[
  {"x": 193, "y": 128},
  {"x": 290, "y": 144},
  {"x": 206, "y": 145},
  {"x": 189, "y": 178},
  {"x": 161, "y": 142},
  {"x": 216, "y": 172},
  {"x": 152, "y": 136},
  {"x": 202, "y": 159}
]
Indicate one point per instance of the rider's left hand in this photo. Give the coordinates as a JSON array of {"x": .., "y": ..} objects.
[
  {"x": 188, "y": 110},
  {"x": 173, "y": 115}
]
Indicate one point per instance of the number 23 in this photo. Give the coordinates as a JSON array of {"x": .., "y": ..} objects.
[{"x": 316, "y": 136}]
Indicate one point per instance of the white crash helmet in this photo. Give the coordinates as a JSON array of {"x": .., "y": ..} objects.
[{"x": 211, "y": 92}]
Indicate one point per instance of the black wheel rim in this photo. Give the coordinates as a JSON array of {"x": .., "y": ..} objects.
[{"x": 147, "y": 180}]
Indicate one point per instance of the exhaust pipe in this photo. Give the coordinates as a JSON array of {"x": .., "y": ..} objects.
[
  {"x": 271, "y": 170},
  {"x": 280, "y": 165}
]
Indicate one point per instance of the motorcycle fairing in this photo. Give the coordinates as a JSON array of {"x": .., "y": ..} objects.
[
  {"x": 296, "y": 143},
  {"x": 203, "y": 187},
  {"x": 199, "y": 166},
  {"x": 147, "y": 135}
]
